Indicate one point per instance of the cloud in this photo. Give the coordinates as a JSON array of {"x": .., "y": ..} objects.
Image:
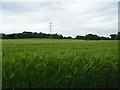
[{"x": 69, "y": 18}]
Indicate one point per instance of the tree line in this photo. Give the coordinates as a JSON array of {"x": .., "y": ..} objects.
[
  {"x": 26, "y": 34},
  {"x": 96, "y": 37}
]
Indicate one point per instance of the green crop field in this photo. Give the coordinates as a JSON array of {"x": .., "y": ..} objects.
[{"x": 56, "y": 63}]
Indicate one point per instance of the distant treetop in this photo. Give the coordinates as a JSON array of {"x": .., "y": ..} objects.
[{"x": 26, "y": 34}]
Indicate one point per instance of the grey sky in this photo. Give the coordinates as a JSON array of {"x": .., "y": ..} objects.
[{"x": 68, "y": 18}]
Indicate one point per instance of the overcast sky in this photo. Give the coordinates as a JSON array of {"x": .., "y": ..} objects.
[{"x": 68, "y": 18}]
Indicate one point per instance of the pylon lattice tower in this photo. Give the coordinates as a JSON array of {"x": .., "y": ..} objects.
[{"x": 50, "y": 29}]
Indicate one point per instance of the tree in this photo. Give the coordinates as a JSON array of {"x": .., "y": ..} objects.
[
  {"x": 80, "y": 37},
  {"x": 91, "y": 37},
  {"x": 3, "y": 36},
  {"x": 117, "y": 37},
  {"x": 57, "y": 36},
  {"x": 104, "y": 38},
  {"x": 113, "y": 36}
]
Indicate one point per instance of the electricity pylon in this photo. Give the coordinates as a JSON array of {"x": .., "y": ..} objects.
[{"x": 50, "y": 29}]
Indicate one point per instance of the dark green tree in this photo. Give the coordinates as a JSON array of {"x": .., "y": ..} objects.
[
  {"x": 113, "y": 36},
  {"x": 91, "y": 37},
  {"x": 80, "y": 37}
]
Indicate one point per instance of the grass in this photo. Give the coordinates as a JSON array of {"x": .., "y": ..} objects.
[{"x": 54, "y": 63}]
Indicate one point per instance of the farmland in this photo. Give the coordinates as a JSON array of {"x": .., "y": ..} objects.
[{"x": 59, "y": 63}]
